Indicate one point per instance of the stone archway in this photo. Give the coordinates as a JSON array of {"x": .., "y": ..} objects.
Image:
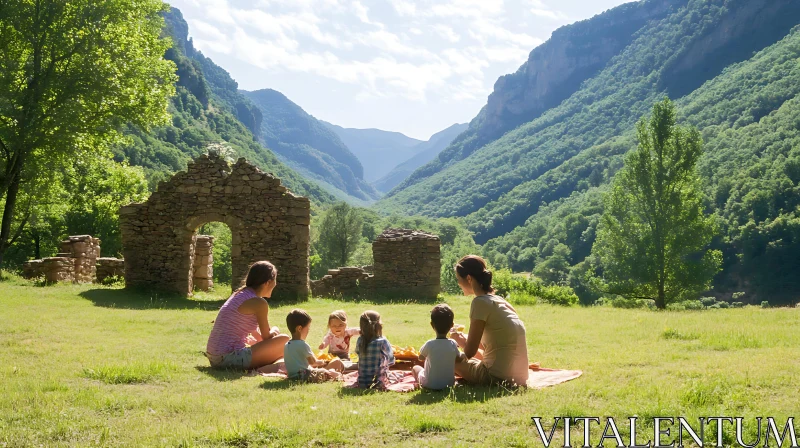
[{"x": 267, "y": 222}]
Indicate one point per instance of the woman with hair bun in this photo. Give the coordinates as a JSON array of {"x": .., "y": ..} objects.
[
  {"x": 246, "y": 313},
  {"x": 495, "y": 346}
]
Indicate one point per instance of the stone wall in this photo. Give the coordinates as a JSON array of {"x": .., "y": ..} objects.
[
  {"x": 267, "y": 222},
  {"x": 407, "y": 264},
  {"x": 203, "y": 262},
  {"x": 76, "y": 262},
  {"x": 84, "y": 251},
  {"x": 343, "y": 281},
  {"x": 109, "y": 267}
]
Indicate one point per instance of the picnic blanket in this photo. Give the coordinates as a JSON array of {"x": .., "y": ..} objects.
[
  {"x": 403, "y": 381},
  {"x": 542, "y": 377}
]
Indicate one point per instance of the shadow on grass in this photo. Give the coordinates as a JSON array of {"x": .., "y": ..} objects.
[
  {"x": 279, "y": 384},
  {"x": 222, "y": 374},
  {"x": 145, "y": 300},
  {"x": 462, "y": 394}
]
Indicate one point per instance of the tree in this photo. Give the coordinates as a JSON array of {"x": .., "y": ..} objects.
[
  {"x": 72, "y": 73},
  {"x": 653, "y": 234},
  {"x": 340, "y": 234}
]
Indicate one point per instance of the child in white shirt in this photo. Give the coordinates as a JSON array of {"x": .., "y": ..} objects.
[
  {"x": 338, "y": 337},
  {"x": 441, "y": 354}
]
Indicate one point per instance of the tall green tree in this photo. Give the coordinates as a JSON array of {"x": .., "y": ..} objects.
[
  {"x": 653, "y": 234},
  {"x": 339, "y": 234},
  {"x": 72, "y": 73}
]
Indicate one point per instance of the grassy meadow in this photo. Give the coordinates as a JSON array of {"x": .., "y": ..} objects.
[{"x": 85, "y": 365}]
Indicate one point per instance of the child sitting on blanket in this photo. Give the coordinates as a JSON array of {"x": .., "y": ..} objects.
[
  {"x": 300, "y": 362},
  {"x": 374, "y": 352},
  {"x": 441, "y": 354},
  {"x": 338, "y": 337}
]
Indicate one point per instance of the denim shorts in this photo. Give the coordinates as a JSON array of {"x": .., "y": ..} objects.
[{"x": 237, "y": 358}]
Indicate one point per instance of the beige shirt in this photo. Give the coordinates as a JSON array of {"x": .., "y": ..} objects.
[{"x": 505, "y": 350}]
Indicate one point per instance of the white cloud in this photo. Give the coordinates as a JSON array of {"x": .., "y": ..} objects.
[
  {"x": 409, "y": 48},
  {"x": 540, "y": 9}
]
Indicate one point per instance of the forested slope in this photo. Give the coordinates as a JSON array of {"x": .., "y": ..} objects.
[
  {"x": 207, "y": 110},
  {"x": 538, "y": 194},
  {"x": 308, "y": 145}
]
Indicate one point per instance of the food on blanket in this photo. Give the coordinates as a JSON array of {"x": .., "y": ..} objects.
[
  {"x": 353, "y": 357},
  {"x": 327, "y": 357},
  {"x": 407, "y": 352}
]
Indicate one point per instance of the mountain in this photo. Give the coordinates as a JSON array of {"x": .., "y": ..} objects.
[
  {"x": 308, "y": 145},
  {"x": 426, "y": 151},
  {"x": 207, "y": 112},
  {"x": 554, "y": 133},
  {"x": 379, "y": 151}
]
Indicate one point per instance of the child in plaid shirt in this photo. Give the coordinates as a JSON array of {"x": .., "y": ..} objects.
[{"x": 375, "y": 353}]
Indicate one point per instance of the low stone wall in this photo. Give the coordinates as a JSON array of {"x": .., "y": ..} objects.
[
  {"x": 407, "y": 264},
  {"x": 110, "y": 267},
  {"x": 343, "y": 281},
  {"x": 203, "y": 263},
  {"x": 77, "y": 262}
]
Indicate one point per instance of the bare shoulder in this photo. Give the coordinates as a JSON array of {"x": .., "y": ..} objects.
[{"x": 253, "y": 305}]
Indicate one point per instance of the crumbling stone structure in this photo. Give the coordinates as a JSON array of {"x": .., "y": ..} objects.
[
  {"x": 348, "y": 280},
  {"x": 407, "y": 264},
  {"x": 75, "y": 263},
  {"x": 109, "y": 267},
  {"x": 267, "y": 222},
  {"x": 203, "y": 263}
]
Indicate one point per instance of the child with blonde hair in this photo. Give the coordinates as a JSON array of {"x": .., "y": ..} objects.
[
  {"x": 375, "y": 353},
  {"x": 301, "y": 364},
  {"x": 337, "y": 339}
]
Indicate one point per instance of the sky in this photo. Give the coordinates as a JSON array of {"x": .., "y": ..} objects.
[{"x": 412, "y": 66}]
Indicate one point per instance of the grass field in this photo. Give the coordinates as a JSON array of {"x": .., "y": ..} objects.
[{"x": 94, "y": 366}]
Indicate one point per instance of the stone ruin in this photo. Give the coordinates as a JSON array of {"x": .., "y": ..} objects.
[
  {"x": 407, "y": 263},
  {"x": 76, "y": 262},
  {"x": 267, "y": 222},
  {"x": 110, "y": 267},
  {"x": 203, "y": 262}
]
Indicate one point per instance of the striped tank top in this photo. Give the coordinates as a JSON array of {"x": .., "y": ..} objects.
[{"x": 232, "y": 327}]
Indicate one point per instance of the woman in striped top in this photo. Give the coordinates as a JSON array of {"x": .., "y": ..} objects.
[{"x": 246, "y": 313}]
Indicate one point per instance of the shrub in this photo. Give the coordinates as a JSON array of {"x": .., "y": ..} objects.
[
  {"x": 708, "y": 301},
  {"x": 559, "y": 295},
  {"x": 765, "y": 304},
  {"x": 738, "y": 304},
  {"x": 724, "y": 305},
  {"x": 694, "y": 305},
  {"x": 738, "y": 295},
  {"x": 714, "y": 306}
]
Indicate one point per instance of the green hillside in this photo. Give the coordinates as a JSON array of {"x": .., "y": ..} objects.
[
  {"x": 308, "y": 145},
  {"x": 207, "y": 110},
  {"x": 538, "y": 187}
]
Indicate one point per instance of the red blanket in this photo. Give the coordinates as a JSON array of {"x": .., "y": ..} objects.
[{"x": 403, "y": 381}]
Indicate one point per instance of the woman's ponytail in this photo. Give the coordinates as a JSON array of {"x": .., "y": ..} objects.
[{"x": 476, "y": 267}]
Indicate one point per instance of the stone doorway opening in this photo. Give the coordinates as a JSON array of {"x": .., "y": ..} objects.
[{"x": 211, "y": 257}]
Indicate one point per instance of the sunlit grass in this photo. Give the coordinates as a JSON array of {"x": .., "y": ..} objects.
[{"x": 98, "y": 366}]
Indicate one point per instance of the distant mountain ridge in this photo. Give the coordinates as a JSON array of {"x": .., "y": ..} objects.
[
  {"x": 308, "y": 145},
  {"x": 379, "y": 151},
  {"x": 426, "y": 151}
]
